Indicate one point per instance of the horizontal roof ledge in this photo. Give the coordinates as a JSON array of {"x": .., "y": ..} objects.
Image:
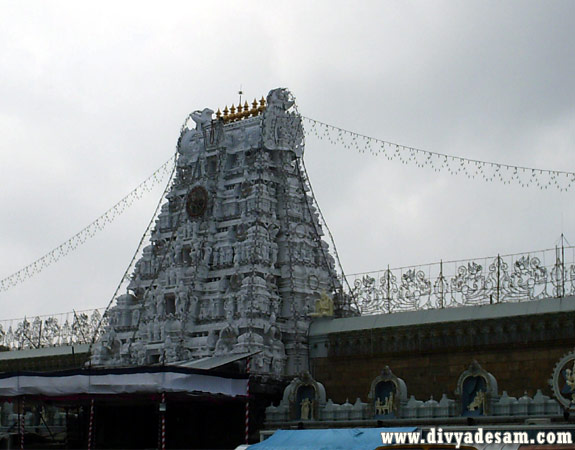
[{"x": 326, "y": 326}]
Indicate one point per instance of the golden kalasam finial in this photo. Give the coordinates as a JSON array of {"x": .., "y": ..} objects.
[
  {"x": 240, "y": 112},
  {"x": 254, "y": 109}
]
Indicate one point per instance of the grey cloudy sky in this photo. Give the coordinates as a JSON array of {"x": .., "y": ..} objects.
[{"x": 93, "y": 94}]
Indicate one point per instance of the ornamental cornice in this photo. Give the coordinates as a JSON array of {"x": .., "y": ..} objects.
[{"x": 520, "y": 330}]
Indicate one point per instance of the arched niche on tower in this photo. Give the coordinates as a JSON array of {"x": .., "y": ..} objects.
[
  {"x": 476, "y": 391},
  {"x": 305, "y": 397},
  {"x": 387, "y": 394}
]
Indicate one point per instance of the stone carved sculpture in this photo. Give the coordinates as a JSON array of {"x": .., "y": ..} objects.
[
  {"x": 385, "y": 407},
  {"x": 202, "y": 118},
  {"x": 283, "y": 129},
  {"x": 230, "y": 275},
  {"x": 323, "y": 306},
  {"x": 478, "y": 402},
  {"x": 306, "y": 405}
]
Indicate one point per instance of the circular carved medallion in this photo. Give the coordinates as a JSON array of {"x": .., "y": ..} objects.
[
  {"x": 313, "y": 282},
  {"x": 197, "y": 202},
  {"x": 563, "y": 381}
]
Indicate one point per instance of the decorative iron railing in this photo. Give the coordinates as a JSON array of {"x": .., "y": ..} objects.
[
  {"x": 499, "y": 279},
  {"x": 76, "y": 327}
]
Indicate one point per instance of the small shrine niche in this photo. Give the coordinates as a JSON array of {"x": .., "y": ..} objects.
[
  {"x": 170, "y": 304},
  {"x": 305, "y": 399},
  {"x": 305, "y": 396},
  {"x": 477, "y": 391},
  {"x": 387, "y": 395}
]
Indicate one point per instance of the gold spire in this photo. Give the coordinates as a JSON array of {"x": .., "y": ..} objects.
[
  {"x": 240, "y": 111},
  {"x": 262, "y": 105}
]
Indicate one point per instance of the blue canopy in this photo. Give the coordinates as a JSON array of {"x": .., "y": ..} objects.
[{"x": 328, "y": 439}]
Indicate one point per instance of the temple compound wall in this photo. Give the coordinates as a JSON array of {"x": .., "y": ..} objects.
[{"x": 521, "y": 344}]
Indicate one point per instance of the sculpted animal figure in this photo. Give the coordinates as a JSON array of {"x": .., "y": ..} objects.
[
  {"x": 188, "y": 141},
  {"x": 202, "y": 117},
  {"x": 478, "y": 401},
  {"x": 278, "y": 100}
]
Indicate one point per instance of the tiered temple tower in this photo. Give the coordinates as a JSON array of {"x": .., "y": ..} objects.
[{"x": 236, "y": 263}]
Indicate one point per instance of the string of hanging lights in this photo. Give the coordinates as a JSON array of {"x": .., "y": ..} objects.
[
  {"x": 89, "y": 231},
  {"x": 455, "y": 165}
]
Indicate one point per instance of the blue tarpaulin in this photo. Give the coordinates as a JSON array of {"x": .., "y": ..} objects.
[{"x": 330, "y": 439}]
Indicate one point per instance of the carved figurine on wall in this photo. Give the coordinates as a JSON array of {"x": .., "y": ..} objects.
[
  {"x": 305, "y": 395},
  {"x": 478, "y": 402},
  {"x": 570, "y": 382},
  {"x": 323, "y": 306},
  {"x": 385, "y": 407},
  {"x": 476, "y": 388},
  {"x": 563, "y": 381},
  {"x": 384, "y": 398},
  {"x": 306, "y": 409},
  {"x": 387, "y": 394}
]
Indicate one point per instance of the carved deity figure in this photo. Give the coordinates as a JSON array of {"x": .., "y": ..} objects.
[
  {"x": 570, "y": 378},
  {"x": 142, "y": 329},
  {"x": 157, "y": 330},
  {"x": 207, "y": 255},
  {"x": 306, "y": 409},
  {"x": 229, "y": 308},
  {"x": 323, "y": 306},
  {"x": 135, "y": 317},
  {"x": 151, "y": 335},
  {"x": 170, "y": 350},
  {"x": 138, "y": 353},
  {"x": 112, "y": 343},
  {"x": 385, "y": 407},
  {"x": 160, "y": 306},
  {"x": 182, "y": 299}
]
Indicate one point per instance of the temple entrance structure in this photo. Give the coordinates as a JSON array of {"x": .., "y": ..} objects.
[{"x": 236, "y": 264}]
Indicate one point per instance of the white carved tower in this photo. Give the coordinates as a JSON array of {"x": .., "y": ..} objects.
[{"x": 236, "y": 261}]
